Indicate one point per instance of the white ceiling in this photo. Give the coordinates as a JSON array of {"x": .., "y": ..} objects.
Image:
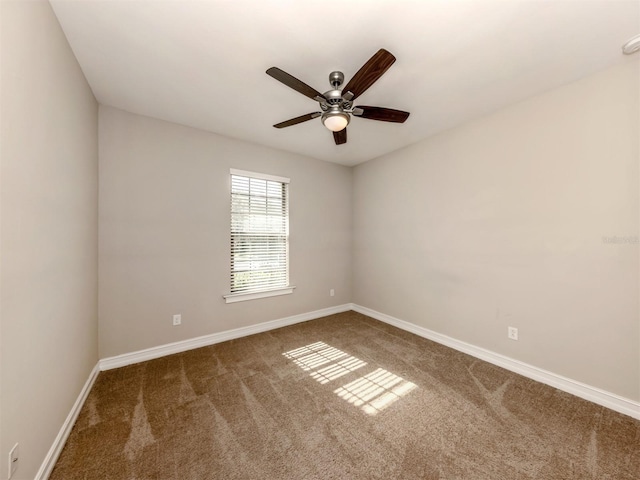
[{"x": 202, "y": 63}]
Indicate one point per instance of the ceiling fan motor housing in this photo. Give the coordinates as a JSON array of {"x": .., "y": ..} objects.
[{"x": 333, "y": 97}]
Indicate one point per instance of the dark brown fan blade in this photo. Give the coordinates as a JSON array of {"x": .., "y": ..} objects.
[
  {"x": 382, "y": 114},
  {"x": 370, "y": 72},
  {"x": 297, "y": 120},
  {"x": 341, "y": 136},
  {"x": 292, "y": 82}
]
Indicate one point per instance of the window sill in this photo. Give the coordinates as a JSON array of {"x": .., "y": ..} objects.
[{"x": 241, "y": 297}]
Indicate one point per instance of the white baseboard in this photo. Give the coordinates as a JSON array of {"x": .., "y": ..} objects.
[
  {"x": 587, "y": 392},
  {"x": 190, "y": 344},
  {"x": 58, "y": 444}
]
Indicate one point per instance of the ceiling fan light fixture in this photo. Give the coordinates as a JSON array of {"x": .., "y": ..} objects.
[{"x": 335, "y": 120}]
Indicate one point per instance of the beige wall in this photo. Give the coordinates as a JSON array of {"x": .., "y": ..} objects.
[
  {"x": 49, "y": 156},
  {"x": 164, "y": 232},
  {"x": 501, "y": 222}
]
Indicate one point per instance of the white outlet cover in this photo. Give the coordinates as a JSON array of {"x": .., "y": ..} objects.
[
  {"x": 512, "y": 333},
  {"x": 177, "y": 319}
]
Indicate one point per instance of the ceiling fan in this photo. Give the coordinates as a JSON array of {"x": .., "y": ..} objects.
[{"x": 336, "y": 105}]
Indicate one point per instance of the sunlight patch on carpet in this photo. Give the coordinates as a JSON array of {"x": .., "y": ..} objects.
[
  {"x": 375, "y": 391},
  {"x": 312, "y": 357},
  {"x": 372, "y": 392}
]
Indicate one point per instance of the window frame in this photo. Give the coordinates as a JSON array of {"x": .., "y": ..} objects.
[{"x": 267, "y": 292}]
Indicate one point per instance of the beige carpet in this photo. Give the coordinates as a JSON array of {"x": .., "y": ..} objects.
[{"x": 342, "y": 397}]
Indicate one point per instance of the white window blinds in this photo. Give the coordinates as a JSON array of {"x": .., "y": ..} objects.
[{"x": 259, "y": 232}]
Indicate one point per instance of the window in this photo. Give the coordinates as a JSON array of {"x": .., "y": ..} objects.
[{"x": 259, "y": 236}]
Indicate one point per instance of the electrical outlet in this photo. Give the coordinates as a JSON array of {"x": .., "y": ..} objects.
[
  {"x": 13, "y": 460},
  {"x": 177, "y": 319},
  {"x": 332, "y": 292},
  {"x": 512, "y": 333}
]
